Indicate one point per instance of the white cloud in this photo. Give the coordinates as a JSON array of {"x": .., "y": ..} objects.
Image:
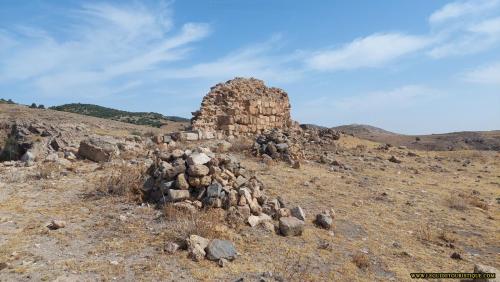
[
  {"x": 400, "y": 97},
  {"x": 255, "y": 60},
  {"x": 460, "y": 9},
  {"x": 105, "y": 43},
  {"x": 489, "y": 74},
  {"x": 489, "y": 26},
  {"x": 371, "y": 51}
]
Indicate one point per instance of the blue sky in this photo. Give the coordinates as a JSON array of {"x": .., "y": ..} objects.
[{"x": 407, "y": 66}]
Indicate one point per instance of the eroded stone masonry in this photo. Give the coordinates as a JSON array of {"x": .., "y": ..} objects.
[{"x": 242, "y": 106}]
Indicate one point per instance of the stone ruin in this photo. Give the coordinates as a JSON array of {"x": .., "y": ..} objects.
[{"x": 241, "y": 107}]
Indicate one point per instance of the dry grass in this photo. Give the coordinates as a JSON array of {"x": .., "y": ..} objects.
[
  {"x": 296, "y": 267},
  {"x": 123, "y": 180},
  {"x": 478, "y": 202},
  {"x": 361, "y": 260},
  {"x": 48, "y": 171},
  {"x": 457, "y": 202},
  {"x": 424, "y": 233},
  {"x": 447, "y": 237},
  {"x": 181, "y": 223},
  {"x": 241, "y": 145}
]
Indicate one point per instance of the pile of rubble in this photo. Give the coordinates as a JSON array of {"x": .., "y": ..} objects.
[
  {"x": 30, "y": 141},
  {"x": 201, "y": 179},
  {"x": 291, "y": 145},
  {"x": 278, "y": 145},
  {"x": 242, "y": 107}
]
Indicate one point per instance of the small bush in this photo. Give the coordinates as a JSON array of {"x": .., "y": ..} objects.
[
  {"x": 241, "y": 145},
  {"x": 48, "y": 171},
  {"x": 182, "y": 223},
  {"x": 424, "y": 233},
  {"x": 361, "y": 260},
  {"x": 478, "y": 202},
  {"x": 447, "y": 237},
  {"x": 123, "y": 180},
  {"x": 457, "y": 202}
]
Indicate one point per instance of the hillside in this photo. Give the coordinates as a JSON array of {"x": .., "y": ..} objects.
[
  {"x": 395, "y": 211},
  {"x": 139, "y": 118},
  {"x": 468, "y": 140}
]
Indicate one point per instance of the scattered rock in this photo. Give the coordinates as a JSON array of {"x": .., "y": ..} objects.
[
  {"x": 223, "y": 262},
  {"x": 254, "y": 220},
  {"x": 394, "y": 160},
  {"x": 220, "y": 249},
  {"x": 171, "y": 247},
  {"x": 298, "y": 213},
  {"x": 456, "y": 256},
  {"x": 98, "y": 150},
  {"x": 324, "y": 220},
  {"x": 56, "y": 224},
  {"x": 28, "y": 157},
  {"x": 291, "y": 226},
  {"x": 481, "y": 268},
  {"x": 196, "y": 247}
]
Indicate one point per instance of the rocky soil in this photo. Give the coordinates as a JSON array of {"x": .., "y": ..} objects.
[{"x": 353, "y": 210}]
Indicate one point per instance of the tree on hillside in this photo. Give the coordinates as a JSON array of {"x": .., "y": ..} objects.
[
  {"x": 41, "y": 106},
  {"x": 33, "y": 106}
]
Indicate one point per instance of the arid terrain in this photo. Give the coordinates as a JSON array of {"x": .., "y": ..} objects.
[
  {"x": 467, "y": 140},
  {"x": 397, "y": 210}
]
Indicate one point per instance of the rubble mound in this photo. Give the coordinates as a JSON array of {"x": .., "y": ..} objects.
[
  {"x": 40, "y": 140},
  {"x": 291, "y": 145},
  {"x": 201, "y": 179},
  {"x": 242, "y": 106},
  {"x": 280, "y": 145}
]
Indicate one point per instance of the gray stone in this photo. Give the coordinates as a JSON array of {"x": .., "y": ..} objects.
[
  {"x": 255, "y": 220},
  {"x": 298, "y": 213},
  {"x": 291, "y": 226},
  {"x": 214, "y": 190},
  {"x": 481, "y": 268},
  {"x": 177, "y": 153},
  {"x": 181, "y": 182},
  {"x": 197, "y": 159},
  {"x": 28, "y": 157},
  {"x": 241, "y": 180},
  {"x": 220, "y": 249},
  {"x": 196, "y": 247},
  {"x": 178, "y": 195},
  {"x": 198, "y": 170},
  {"x": 98, "y": 150},
  {"x": 56, "y": 224},
  {"x": 282, "y": 147},
  {"x": 167, "y": 139},
  {"x": 324, "y": 220}
]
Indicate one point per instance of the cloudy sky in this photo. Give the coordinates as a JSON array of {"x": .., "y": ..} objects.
[{"x": 415, "y": 66}]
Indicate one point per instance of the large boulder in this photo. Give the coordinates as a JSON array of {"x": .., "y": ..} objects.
[
  {"x": 220, "y": 249},
  {"x": 291, "y": 226},
  {"x": 98, "y": 150},
  {"x": 480, "y": 268}
]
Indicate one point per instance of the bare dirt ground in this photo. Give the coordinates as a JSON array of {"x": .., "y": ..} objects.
[
  {"x": 466, "y": 140},
  {"x": 391, "y": 219}
]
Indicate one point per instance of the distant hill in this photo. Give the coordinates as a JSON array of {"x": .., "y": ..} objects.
[
  {"x": 476, "y": 140},
  {"x": 140, "y": 118},
  {"x": 3, "y": 101}
]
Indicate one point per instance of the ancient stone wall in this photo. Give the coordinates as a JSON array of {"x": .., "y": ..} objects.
[{"x": 242, "y": 106}]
